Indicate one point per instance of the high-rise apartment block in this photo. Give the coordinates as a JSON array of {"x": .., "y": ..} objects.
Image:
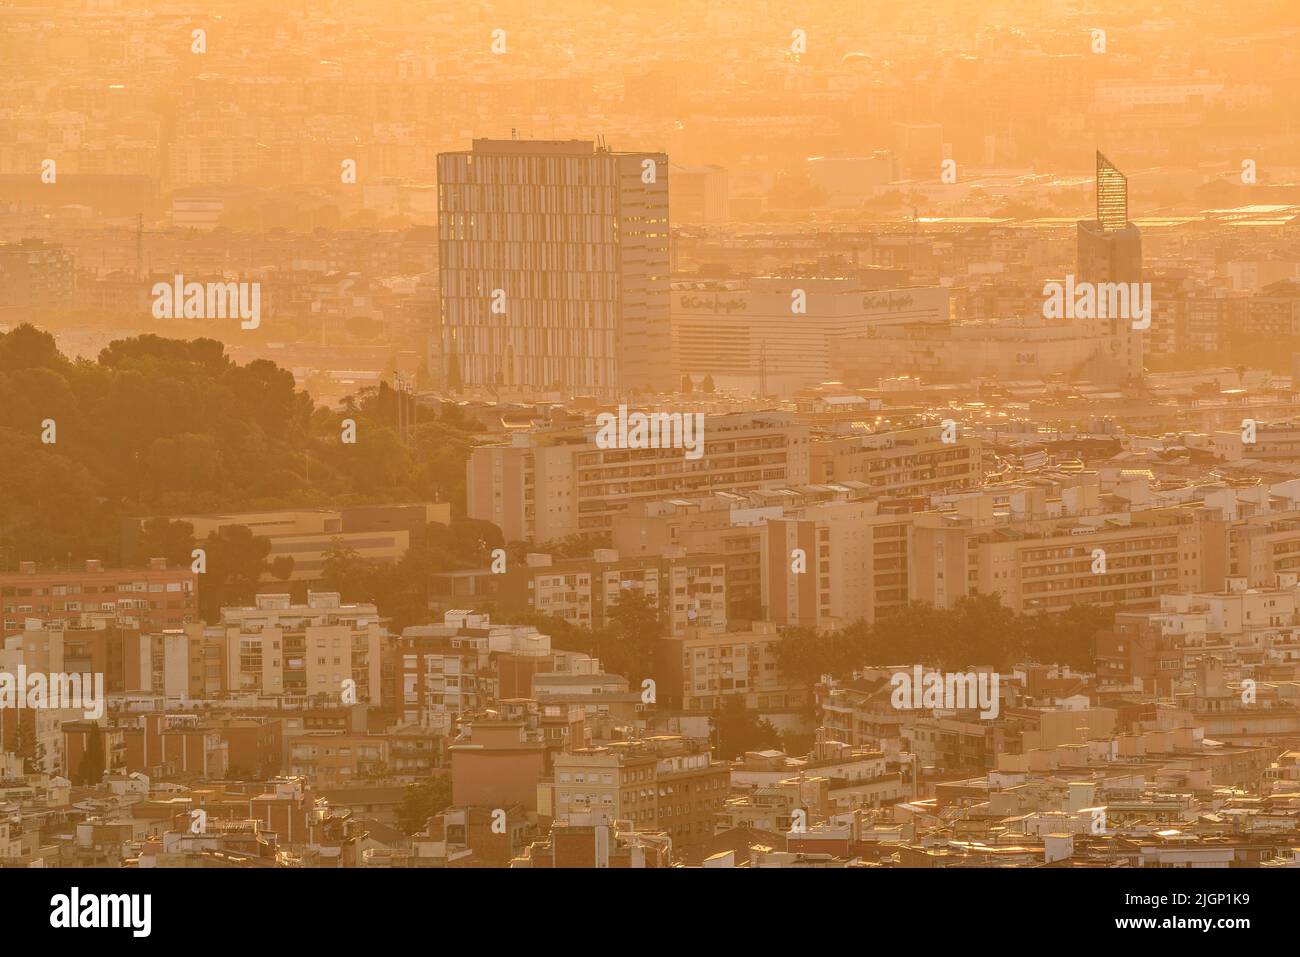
[
  {"x": 833, "y": 564},
  {"x": 549, "y": 484},
  {"x": 276, "y": 647},
  {"x": 554, "y": 268}
]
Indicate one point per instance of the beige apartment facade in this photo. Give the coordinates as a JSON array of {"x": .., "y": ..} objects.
[
  {"x": 698, "y": 671},
  {"x": 688, "y": 590},
  {"x": 275, "y": 647},
  {"x": 900, "y": 462},
  {"x": 545, "y": 486},
  {"x": 665, "y": 783},
  {"x": 1048, "y": 566},
  {"x": 831, "y": 565}
]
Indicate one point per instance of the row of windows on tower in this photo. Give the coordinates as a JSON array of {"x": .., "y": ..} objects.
[
  {"x": 519, "y": 287},
  {"x": 535, "y": 170},
  {"x": 555, "y": 257}
]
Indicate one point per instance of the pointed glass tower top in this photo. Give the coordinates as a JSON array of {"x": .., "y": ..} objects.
[{"x": 1112, "y": 196}]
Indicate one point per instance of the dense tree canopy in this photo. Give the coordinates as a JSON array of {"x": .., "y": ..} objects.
[
  {"x": 737, "y": 729},
  {"x": 159, "y": 426},
  {"x": 979, "y": 630},
  {"x": 422, "y": 801},
  {"x": 401, "y": 590},
  {"x": 625, "y": 645}
]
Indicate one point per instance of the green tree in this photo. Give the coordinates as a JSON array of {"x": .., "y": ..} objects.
[
  {"x": 627, "y": 646},
  {"x": 345, "y": 571},
  {"x": 1069, "y": 637},
  {"x": 422, "y": 801},
  {"x": 570, "y": 546},
  {"x": 90, "y": 771},
  {"x": 182, "y": 466},
  {"x": 797, "y": 743},
  {"x": 236, "y": 559},
  {"x": 465, "y": 543},
  {"x": 163, "y": 538},
  {"x": 983, "y": 631},
  {"x": 517, "y": 551},
  {"x": 48, "y": 502},
  {"x": 27, "y": 747},
  {"x": 804, "y": 654},
  {"x": 455, "y": 416},
  {"x": 27, "y": 347},
  {"x": 737, "y": 729},
  {"x": 916, "y": 632}
]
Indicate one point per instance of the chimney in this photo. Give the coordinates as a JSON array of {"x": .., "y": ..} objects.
[
  {"x": 1057, "y": 847},
  {"x": 602, "y": 845},
  {"x": 1082, "y": 794},
  {"x": 94, "y": 565}
]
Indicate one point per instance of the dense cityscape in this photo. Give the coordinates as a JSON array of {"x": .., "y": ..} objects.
[{"x": 595, "y": 435}]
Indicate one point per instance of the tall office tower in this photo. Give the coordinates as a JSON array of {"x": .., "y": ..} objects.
[
  {"x": 1110, "y": 251},
  {"x": 554, "y": 267},
  {"x": 1110, "y": 247}
]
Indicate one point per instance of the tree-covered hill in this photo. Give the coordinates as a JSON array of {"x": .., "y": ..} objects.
[{"x": 163, "y": 426}]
